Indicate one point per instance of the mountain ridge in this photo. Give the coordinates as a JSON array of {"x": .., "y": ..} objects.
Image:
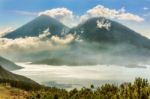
[
  {"x": 8, "y": 65},
  {"x": 37, "y": 26},
  {"x": 16, "y": 80},
  {"x": 97, "y": 29},
  {"x": 117, "y": 33}
]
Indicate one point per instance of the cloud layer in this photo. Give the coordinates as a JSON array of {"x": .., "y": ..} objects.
[
  {"x": 37, "y": 44},
  {"x": 5, "y": 31},
  {"x": 64, "y": 15},
  {"x": 67, "y": 16},
  {"x": 102, "y": 11},
  {"x": 31, "y": 45}
]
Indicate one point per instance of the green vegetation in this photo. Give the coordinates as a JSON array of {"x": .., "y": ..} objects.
[
  {"x": 139, "y": 89},
  {"x": 20, "y": 84}
]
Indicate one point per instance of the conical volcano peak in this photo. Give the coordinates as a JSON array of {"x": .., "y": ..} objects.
[
  {"x": 100, "y": 29},
  {"x": 37, "y": 26}
]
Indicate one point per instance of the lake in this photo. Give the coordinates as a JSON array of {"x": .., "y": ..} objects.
[{"x": 69, "y": 77}]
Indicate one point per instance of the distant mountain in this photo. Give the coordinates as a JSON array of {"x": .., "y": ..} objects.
[
  {"x": 63, "y": 61},
  {"x": 107, "y": 31},
  {"x": 102, "y": 39},
  {"x": 95, "y": 29},
  {"x": 37, "y": 26},
  {"x": 8, "y": 65}
]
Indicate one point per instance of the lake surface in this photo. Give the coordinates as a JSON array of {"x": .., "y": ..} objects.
[{"x": 81, "y": 76}]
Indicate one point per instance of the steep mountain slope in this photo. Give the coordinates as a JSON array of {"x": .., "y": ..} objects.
[
  {"x": 4, "y": 74},
  {"x": 8, "y": 64},
  {"x": 104, "y": 30},
  {"x": 37, "y": 26},
  {"x": 16, "y": 80}
]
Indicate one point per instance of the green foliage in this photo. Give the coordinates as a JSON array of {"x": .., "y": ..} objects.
[
  {"x": 92, "y": 86},
  {"x": 140, "y": 89},
  {"x": 21, "y": 84}
]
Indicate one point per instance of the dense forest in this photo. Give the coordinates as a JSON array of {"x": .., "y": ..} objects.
[{"x": 139, "y": 89}]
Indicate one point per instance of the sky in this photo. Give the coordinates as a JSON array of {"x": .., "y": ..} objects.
[{"x": 133, "y": 13}]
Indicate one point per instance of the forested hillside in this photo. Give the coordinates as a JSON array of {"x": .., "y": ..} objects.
[{"x": 139, "y": 89}]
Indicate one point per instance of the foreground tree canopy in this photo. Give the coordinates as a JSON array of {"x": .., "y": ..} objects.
[{"x": 139, "y": 89}]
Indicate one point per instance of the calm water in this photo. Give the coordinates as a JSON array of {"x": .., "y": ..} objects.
[{"x": 78, "y": 76}]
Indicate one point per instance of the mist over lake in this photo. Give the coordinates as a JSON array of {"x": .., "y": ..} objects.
[{"x": 80, "y": 76}]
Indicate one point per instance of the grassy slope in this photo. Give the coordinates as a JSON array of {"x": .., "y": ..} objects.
[{"x": 7, "y": 92}]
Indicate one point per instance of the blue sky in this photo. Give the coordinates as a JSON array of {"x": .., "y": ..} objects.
[{"x": 10, "y": 16}]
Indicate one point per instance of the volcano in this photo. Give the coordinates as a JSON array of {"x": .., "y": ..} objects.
[{"x": 37, "y": 26}]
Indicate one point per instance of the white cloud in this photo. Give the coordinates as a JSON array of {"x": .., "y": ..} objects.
[
  {"x": 145, "y": 8},
  {"x": 67, "y": 39},
  {"x": 45, "y": 33},
  {"x": 34, "y": 44},
  {"x": 102, "y": 11},
  {"x": 103, "y": 23},
  {"x": 123, "y": 10},
  {"x": 5, "y": 31},
  {"x": 64, "y": 15},
  {"x": 68, "y": 18},
  {"x": 26, "y": 13}
]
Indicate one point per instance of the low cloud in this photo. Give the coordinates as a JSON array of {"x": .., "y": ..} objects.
[
  {"x": 67, "y": 39},
  {"x": 5, "y": 31},
  {"x": 102, "y": 11},
  {"x": 61, "y": 48},
  {"x": 34, "y": 44},
  {"x": 103, "y": 23}
]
